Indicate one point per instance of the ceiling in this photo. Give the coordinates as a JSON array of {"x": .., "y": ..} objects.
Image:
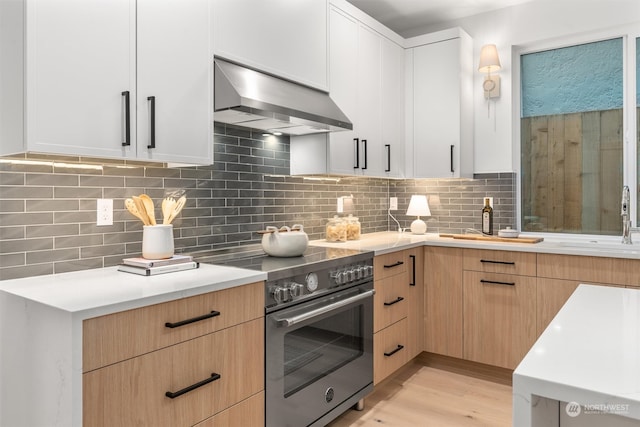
[{"x": 402, "y": 16}]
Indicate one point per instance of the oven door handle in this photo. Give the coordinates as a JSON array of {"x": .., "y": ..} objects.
[{"x": 290, "y": 321}]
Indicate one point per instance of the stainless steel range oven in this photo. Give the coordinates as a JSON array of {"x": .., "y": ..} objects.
[{"x": 318, "y": 333}]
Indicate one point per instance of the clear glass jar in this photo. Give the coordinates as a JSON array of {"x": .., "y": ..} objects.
[
  {"x": 336, "y": 230},
  {"x": 353, "y": 228}
]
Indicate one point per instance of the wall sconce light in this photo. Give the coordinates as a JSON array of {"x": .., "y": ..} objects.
[
  {"x": 489, "y": 61},
  {"x": 418, "y": 206}
]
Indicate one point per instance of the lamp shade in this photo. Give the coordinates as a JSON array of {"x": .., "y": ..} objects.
[
  {"x": 489, "y": 60},
  {"x": 418, "y": 206}
]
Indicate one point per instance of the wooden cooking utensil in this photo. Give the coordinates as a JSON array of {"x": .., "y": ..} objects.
[
  {"x": 168, "y": 204},
  {"x": 141, "y": 210},
  {"x": 131, "y": 207},
  {"x": 149, "y": 208},
  {"x": 177, "y": 208}
]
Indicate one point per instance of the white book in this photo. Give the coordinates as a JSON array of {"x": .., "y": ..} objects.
[
  {"x": 150, "y": 271},
  {"x": 148, "y": 263}
]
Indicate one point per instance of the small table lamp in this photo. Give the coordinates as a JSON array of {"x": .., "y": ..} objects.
[{"x": 418, "y": 206}]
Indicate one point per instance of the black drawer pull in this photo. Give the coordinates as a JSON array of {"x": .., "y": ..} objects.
[
  {"x": 174, "y": 394},
  {"x": 152, "y": 122},
  {"x": 127, "y": 119},
  {"x": 413, "y": 269},
  {"x": 497, "y": 283},
  {"x": 394, "y": 265},
  {"x": 498, "y": 262},
  {"x": 195, "y": 319},
  {"x": 397, "y": 349},
  {"x": 395, "y": 301}
]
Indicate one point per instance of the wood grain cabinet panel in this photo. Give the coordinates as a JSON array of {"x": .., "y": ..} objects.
[
  {"x": 499, "y": 317},
  {"x": 415, "y": 305},
  {"x": 508, "y": 262},
  {"x": 133, "y": 392},
  {"x": 390, "y": 301},
  {"x": 390, "y": 264},
  {"x": 551, "y": 294},
  {"x": 443, "y": 301},
  {"x": 389, "y": 350},
  {"x": 115, "y": 337},
  {"x": 248, "y": 413},
  {"x": 585, "y": 269}
]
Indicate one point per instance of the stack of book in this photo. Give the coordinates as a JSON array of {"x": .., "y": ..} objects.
[{"x": 149, "y": 267}]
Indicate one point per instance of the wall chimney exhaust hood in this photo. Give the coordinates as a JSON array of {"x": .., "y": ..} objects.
[{"x": 249, "y": 98}]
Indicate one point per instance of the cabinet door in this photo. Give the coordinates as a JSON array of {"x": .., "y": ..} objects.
[
  {"x": 443, "y": 301},
  {"x": 175, "y": 57},
  {"x": 392, "y": 109},
  {"x": 551, "y": 294},
  {"x": 369, "y": 101},
  {"x": 291, "y": 37},
  {"x": 80, "y": 57},
  {"x": 499, "y": 317},
  {"x": 436, "y": 131},
  {"x": 343, "y": 78},
  {"x": 389, "y": 350}
]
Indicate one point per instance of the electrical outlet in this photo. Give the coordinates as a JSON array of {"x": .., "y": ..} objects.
[
  {"x": 393, "y": 203},
  {"x": 104, "y": 209},
  {"x": 340, "y": 205}
]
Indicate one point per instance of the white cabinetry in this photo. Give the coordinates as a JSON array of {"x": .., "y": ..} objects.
[
  {"x": 282, "y": 37},
  {"x": 440, "y": 105},
  {"x": 87, "y": 64},
  {"x": 366, "y": 70}
]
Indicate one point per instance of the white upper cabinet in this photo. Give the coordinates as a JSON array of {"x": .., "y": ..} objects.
[
  {"x": 366, "y": 72},
  {"x": 175, "y": 77},
  {"x": 282, "y": 37},
  {"x": 90, "y": 66},
  {"x": 80, "y": 59},
  {"x": 440, "y": 105}
]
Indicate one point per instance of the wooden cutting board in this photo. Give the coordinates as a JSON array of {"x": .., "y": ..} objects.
[{"x": 519, "y": 239}]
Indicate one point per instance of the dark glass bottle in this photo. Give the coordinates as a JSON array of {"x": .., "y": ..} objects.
[{"x": 487, "y": 218}]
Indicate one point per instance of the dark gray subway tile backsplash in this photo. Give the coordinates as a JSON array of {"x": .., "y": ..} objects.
[{"x": 47, "y": 203}]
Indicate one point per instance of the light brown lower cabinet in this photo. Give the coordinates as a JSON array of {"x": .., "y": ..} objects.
[
  {"x": 551, "y": 294},
  {"x": 248, "y": 413},
  {"x": 499, "y": 317},
  {"x": 179, "y": 385},
  {"x": 389, "y": 352}
]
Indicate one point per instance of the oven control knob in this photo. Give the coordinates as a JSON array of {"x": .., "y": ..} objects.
[
  {"x": 362, "y": 272},
  {"x": 311, "y": 281},
  {"x": 280, "y": 294},
  {"x": 339, "y": 277},
  {"x": 295, "y": 290}
]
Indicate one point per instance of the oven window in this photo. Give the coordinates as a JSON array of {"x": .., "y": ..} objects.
[{"x": 320, "y": 348}]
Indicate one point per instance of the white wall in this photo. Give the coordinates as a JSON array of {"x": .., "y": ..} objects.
[{"x": 525, "y": 24}]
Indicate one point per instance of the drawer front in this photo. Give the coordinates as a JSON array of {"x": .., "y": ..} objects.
[
  {"x": 618, "y": 271},
  {"x": 522, "y": 263},
  {"x": 133, "y": 392},
  {"x": 389, "y": 350},
  {"x": 119, "y": 336},
  {"x": 248, "y": 413},
  {"x": 499, "y": 317},
  {"x": 388, "y": 265},
  {"x": 390, "y": 302}
]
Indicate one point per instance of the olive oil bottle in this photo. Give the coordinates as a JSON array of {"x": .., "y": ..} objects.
[{"x": 487, "y": 218}]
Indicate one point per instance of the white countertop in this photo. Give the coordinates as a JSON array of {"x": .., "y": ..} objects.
[
  {"x": 589, "y": 354},
  {"x": 390, "y": 241},
  {"x": 102, "y": 291}
]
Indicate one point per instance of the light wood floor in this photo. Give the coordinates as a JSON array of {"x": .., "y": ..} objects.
[{"x": 424, "y": 396}]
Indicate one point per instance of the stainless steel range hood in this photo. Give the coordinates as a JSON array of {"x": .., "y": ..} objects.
[{"x": 250, "y": 98}]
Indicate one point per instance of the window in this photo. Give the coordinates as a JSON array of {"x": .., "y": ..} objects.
[{"x": 572, "y": 126}]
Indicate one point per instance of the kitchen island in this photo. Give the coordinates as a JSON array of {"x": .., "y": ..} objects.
[{"x": 584, "y": 370}]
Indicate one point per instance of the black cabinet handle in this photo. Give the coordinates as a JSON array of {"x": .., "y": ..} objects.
[
  {"x": 388, "y": 148},
  {"x": 364, "y": 148},
  {"x": 488, "y": 261},
  {"x": 174, "y": 394},
  {"x": 452, "y": 170},
  {"x": 195, "y": 319},
  {"x": 127, "y": 119},
  {"x": 152, "y": 121},
  {"x": 356, "y": 154},
  {"x": 394, "y": 265},
  {"x": 395, "y": 301},
  {"x": 397, "y": 349},
  {"x": 413, "y": 270},
  {"x": 492, "y": 282}
]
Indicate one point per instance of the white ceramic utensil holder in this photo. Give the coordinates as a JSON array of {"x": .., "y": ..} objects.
[{"x": 157, "y": 241}]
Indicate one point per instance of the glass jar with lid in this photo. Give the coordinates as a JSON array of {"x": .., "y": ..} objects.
[
  {"x": 353, "y": 227},
  {"x": 336, "y": 230}
]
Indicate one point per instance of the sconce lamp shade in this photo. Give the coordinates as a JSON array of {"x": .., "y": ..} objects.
[
  {"x": 418, "y": 206},
  {"x": 489, "y": 60}
]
